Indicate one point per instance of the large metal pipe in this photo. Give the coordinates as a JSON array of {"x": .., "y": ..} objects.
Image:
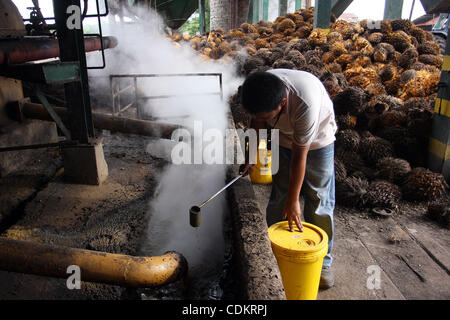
[
  {"x": 20, "y": 110},
  {"x": 102, "y": 267},
  {"x": 38, "y": 48}
]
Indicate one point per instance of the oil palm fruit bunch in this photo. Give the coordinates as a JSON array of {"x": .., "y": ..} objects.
[
  {"x": 391, "y": 169},
  {"x": 348, "y": 139},
  {"x": 351, "y": 159},
  {"x": 384, "y": 194},
  {"x": 439, "y": 211},
  {"x": 346, "y": 121},
  {"x": 423, "y": 184},
  {"x": 375, "y": 148},
  {"x": 351, "y": 192},
  {"x": 349, "y": 101},
  {"x": 370, "y": 59},
  {"x": 339, "y": 170}
]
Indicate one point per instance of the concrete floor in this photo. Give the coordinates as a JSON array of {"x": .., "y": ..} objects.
[
  {"x": 111, "y": 217},
  {"x": 411, "y": 253}
]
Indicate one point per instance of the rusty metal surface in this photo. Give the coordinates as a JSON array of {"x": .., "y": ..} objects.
[
  {"x": 38, "y": 48},
  {"x": 101, "y": 121},
  {"x": 102, "y": 267}
]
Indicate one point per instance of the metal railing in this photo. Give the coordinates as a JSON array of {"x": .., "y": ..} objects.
[{"x": 117, "y": 91}]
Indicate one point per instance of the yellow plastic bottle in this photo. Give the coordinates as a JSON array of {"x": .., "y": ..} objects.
[{"x": 262, "y": 172}]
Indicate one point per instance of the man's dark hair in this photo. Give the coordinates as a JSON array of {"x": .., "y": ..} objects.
[{"x": 262, "y": 92}]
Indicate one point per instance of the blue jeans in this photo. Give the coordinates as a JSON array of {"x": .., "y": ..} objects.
[{"x": 317, "y": 190}]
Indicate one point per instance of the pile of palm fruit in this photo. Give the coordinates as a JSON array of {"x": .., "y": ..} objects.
[{"x": 383, "y": 83}]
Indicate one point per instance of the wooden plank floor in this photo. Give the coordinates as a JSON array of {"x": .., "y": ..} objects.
[{"x": 410, "y": 253}]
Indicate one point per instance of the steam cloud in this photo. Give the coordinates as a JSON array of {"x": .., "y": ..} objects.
[{"x": 144, "y": 49}]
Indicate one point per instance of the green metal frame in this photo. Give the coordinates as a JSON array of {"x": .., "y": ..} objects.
[
  {"x": 282, "y": 7},
  {"x": 202, "y": 15},
  {"x": 322, "y": 13},
  {"x": 254, "y": 11},
  {"x": 393, "y": 9},
  {"x": 265, "y": 10},
  {"x": 439, "y": 153},
  {"x": 338, "y": 6},
  {"x": 43, "y": 73}
]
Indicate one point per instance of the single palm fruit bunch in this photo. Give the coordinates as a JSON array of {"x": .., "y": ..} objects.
[
  {"x": 348, "y": 139},
  {"x": 339, "y": 170},
  {"x": 408, "y": 57},
  {"x": 402, "y": 24},
  {"x": 423, "y": 184},
  {"x": 248, "y": 28},
  {"x": 429, "y": 47},
  {"x": 419, "y": 34},
  {"x": 349, "y": 101},
  {"x": 301, "y": 45},
  {"x": 364, "y": 173},
  {"x": 346, "y": 121},
  {"x": 296, "y": 57},
  {"x": 439, "y": 211},
  {"x": 382, "y": 194},
  {"x": 283, "y": 64},
  {"x": 375, "y": 38},
  {"x": 392, "y": 169},
  {"x": 334, "y": 37},
  {"x": 265, "y": 54},
  {"x": 317, "y": 37},
  {"x": 375, "y": 148},
  {"x": 286, "y": 25},
  {"x": 251, "y": 64},
  {"x": 392, "y": 118},
  {"x": 351, "y": 160},
  {"x": 387, "y": 73},
  {"x": 431, "y": 59},
  {"x": 350, "y": 192},
  {"x": 399, "y": 39}
]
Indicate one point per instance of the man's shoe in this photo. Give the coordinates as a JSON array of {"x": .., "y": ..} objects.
[{"x": 326, "y": 278}]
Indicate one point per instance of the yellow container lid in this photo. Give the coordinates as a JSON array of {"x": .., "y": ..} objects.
[{"x": 313, "y": 240}]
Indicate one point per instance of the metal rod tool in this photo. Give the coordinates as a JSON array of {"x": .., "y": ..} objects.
[{"x": 195, "y": 211}]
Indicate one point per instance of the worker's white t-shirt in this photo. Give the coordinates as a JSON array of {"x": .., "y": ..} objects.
[{"x": 309, "y": 118}]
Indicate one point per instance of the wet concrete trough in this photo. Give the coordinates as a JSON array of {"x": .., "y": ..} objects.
[{"x": 113, "y": 218}]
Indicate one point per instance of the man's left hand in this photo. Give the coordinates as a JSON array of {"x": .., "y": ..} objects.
[{"x": 292, "y": 212}]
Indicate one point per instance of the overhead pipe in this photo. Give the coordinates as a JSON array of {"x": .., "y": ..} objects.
[
  {"x": 20, "y": 110},
  {"x": 38, "y": 48},
  {"x": 102, "y": 267}
]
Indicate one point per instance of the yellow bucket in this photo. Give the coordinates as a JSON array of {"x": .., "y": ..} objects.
[
  {"x": 300, "y": 257},
  {"x": 262, "y": 172}
]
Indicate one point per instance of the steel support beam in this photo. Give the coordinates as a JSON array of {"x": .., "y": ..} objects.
[
  {"x": 71, "y": 44},
  {"x": 439, "y": 149},
  {"x": 338, "y": 6},
  {"x": 265, "y": 10},
  {"x": 202, "y": 16},
  {"x": 322, "y": 13},
  {"x": 282, "y": 7},
  {"x": 393, "y": 9},
  {"x": 257, "y": 11},
  {"x": 253, "y": 11}
]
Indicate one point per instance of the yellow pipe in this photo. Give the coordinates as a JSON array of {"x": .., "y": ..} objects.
[{"x": 116, "y": 269}]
